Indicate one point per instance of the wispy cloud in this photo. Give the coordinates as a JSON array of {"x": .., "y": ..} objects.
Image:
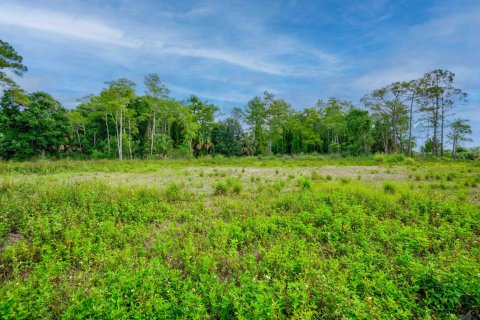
[
  {"x": 59, "y": 23},
  {"x": 171, "y": 42},
  {"x": 226, "y": 96}
]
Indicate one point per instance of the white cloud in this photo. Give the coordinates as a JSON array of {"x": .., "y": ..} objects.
[
  {"x": 226, "y": 96},
  {"x": 264, "y": 55},
  {"x": 63, "y": 24}
]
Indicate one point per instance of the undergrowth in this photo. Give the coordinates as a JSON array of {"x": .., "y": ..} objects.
[{"x": 307, "y": 248}]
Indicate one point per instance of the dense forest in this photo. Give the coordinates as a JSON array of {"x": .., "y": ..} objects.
[{"x": 119, "y": 122}]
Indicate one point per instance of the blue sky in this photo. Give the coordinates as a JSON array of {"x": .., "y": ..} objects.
[{"x": 229, "y": 51}]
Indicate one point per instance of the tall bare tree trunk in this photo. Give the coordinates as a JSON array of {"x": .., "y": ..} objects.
[
  {"x": 116, "y": 131},
  {"x": 441, "y": 130},
  {"x": 410, "y": 129},
  {"x": 153, "y": 132},
  {"x": 385, "y": 145},
  {"x": 120, "y": 138},
  {"x": 108, "y": 133},
  {"x": 394, "y": 141},
  {"x": 454, "y": 148},
  {"x": 435, "y": 128},
  {"x": 130, "y": 139},
  {"x": 79, "y": 141}
]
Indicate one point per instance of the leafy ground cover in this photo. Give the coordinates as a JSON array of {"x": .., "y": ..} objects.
[{"x": 245, "y": 238}]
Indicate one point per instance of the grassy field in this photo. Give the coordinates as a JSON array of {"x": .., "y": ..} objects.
[{"x": 248, "y": 238}]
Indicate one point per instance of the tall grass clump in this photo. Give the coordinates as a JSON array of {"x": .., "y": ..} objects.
[
  {"x": 379, "y": 158},
  {"x": 220, "y": 188},
  {"x": 389, "y": 187},
  {"x": 409, "y": 161},
  {"x": 305, "y": 183},
  {"x": 234, "y": 185},
  {"x": 316, "y": 176},
  {"x": 230, "y": 185},
  {"x": 173, "y": 192},
  {"x": 394, "y": 158}
]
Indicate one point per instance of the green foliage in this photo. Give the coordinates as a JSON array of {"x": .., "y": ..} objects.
[
  {"x": 94, "y": 249},
  {"x": 379, "y": 158},
  {"x": 389, "y": 187},
  {"x": 394, "y": 158},
  {"x": 174, "y": 192},
  {"x": 345, "y": 180},
  {"x": 305, "y": 183},
  {"x": 230, "y": 185},
  {"x": 227, "y": 137},
  {"x": 119, "y": 123},
  {"x": 316, "y": 176},
  {"x": 409, "y": 161},
  {"x": 221, "y": 188},
  {"x": 358, "y": 124},
  {"x": 35, "y": 128},
  {"x": 334, "y": 147},
  {"x": 10, "y": 60}
]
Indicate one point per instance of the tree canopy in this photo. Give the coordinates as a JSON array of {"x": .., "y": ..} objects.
[{"x": 117, "y": 122}]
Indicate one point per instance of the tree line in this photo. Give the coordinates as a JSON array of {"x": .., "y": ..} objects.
[{"x": 119, "y": 122}]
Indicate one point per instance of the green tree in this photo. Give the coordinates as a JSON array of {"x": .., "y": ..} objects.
[
  {"x": 389, "y": 101},
  {"x": 413, "y": 93},
  {"x": 204, "y": 116},
  {"x": 333, "y": 114},
  {"x": 115, "y": 97},
  {"x": 77, "y": 123},
  {"x": 459, "y": 132},
  {"x": 254, "y": 115},
  {"x": 278, "y": 112},
  {"x": 439, "y": 96},
  {"x": 11, "y": 61},
  {"x": 303, "y": 132},
  {"x": 358, "y": 132},
  {"x": 227, "y": 137},
  {"x": 32, "y": 129},
  {"x": 156, "y": 93}
]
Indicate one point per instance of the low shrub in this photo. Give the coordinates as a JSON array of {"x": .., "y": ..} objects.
[
  {"x": 173, "y": 192},
  {"x": 394, "y": 158},
  {"x": 345, "y": 180},
  {"x": 379, "y": 158},
  {"x": 234, "y": 185},
  {"x": 389, "y": 187},
  {"x": 409, "y": 161},
  {"x": 316, "y": 176},
  {"x": 305, "y": 183},
  {"x": 221, "y": 188}
]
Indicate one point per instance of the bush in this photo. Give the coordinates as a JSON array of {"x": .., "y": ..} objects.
[
  {"x": 234, "y": 185},
  {"x": 173, "y": 192},
  {"x": 230, "y": 185},
  {"x": 98, "y": 155},
  {"x": 220, "y": 188},
  {"x": 305, "y": 183},
  {"x": 345, "y": 180},
  {"x": 316, "y": 175},
  {"x": 389, "y": 187},
  {"x": 379, "y": 158},
  {"x": 409, "y": 161},
  {"x": 395, "y": 158}
]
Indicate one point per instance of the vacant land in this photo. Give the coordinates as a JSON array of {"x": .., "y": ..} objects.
[{"x": 240, "y": 238}]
